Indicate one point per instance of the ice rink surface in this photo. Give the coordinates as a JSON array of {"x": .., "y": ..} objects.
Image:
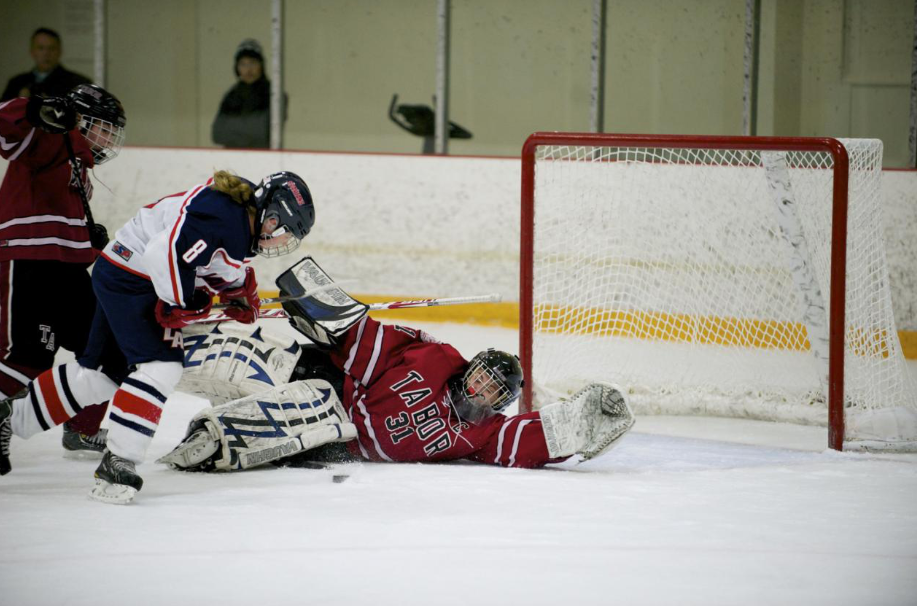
[{"x": 684, "y": 511}]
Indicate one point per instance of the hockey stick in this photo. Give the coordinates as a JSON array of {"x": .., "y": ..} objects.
[
  {"x": 279, "y": 313},
  {"x": 314, "y": 291},
  {"x": 494, "y": 298},
  {"x": 98, "y": 235}
]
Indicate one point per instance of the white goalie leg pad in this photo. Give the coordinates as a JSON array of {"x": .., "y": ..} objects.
[
  {"x": 226, "y": 363},
  {"x": 265, "y": 427},
  {"x": 589, "y": 423}
]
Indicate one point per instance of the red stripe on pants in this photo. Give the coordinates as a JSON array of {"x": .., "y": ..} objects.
[
  {"x": 49, "y": 394},
  {"x": 131, "y": 404}
]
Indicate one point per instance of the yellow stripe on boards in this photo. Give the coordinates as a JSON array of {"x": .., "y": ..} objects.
[
  {"x": 908, "y": 340},
  {"x": 504, "y": 315},
  {"x": 677, "y": 328},
  {"x": 765, "y": 334}
]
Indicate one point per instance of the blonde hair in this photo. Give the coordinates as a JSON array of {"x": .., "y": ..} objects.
[{"x": 231, "y": 185}]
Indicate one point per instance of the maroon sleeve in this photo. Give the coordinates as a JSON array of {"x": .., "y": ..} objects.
[
  {"x": 22, "y": 142},
  {"x": 16, "y": 134},
  {"x": 516, "y": 441}
]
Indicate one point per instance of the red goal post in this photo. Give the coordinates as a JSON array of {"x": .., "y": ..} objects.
[{"x": 559, "y": 163}]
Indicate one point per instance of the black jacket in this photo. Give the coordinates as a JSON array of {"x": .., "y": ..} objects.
[
  {"x": 244, "y": 119},
  {"x": 58, "y": 83}
]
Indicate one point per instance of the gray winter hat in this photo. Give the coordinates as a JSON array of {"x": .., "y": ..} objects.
[{"x": 248, "y": 48}]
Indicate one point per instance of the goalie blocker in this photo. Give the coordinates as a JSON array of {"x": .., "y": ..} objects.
[{"x": 324, "y": 315}]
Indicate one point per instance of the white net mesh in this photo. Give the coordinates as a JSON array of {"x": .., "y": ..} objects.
[{"x": 666, "y": 271}]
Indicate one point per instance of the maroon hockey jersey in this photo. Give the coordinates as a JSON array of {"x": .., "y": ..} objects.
[
  {"x": 397, "y": 394},
  {"x": 41, "y": 212}
]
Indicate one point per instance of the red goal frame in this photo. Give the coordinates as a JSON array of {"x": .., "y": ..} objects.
[{"x": 837, "y": 299}]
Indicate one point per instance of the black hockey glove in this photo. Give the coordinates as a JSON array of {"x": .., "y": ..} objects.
[
  {"x": 98, "y": 236},
  {"x": 55, "y": 115}
]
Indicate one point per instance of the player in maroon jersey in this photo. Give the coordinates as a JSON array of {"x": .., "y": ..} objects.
[
  {"x": 48, "y": 240},
  {"x": 414, "y": 398}
]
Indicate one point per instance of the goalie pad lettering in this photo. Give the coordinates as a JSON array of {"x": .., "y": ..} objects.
[
  {"x": 324, "y": 315},
  {"x": 262, "y": 428},
  {"x": 225, "y": 363}
]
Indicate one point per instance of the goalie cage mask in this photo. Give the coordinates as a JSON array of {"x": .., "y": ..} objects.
[
  {"x": 491, "y": 383},
  {"x": 101, "y": 120},
  {"x": 283, "y": 196}
]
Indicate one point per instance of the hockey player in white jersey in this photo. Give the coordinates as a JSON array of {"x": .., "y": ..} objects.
[{"x": 156, "y": 276}]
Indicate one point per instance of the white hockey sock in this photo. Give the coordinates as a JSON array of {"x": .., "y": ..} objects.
[
  {"x": 137, "y": 406},
  {"x": 57, "y": 395}
]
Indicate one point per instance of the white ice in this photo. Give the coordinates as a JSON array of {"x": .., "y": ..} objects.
[{"x": 685, "y": 511}]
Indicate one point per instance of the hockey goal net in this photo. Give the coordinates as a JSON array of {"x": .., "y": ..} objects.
[{"x": 725, "y": 276}]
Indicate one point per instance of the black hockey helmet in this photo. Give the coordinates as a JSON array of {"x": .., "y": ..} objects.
[
  {"x": 492, "y": 382},
  {"x": 283, "y": 196},
  {"x": 101, "y": 120}
]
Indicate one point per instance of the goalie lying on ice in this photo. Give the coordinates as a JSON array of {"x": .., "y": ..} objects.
[{"x": 404, "y": 396}]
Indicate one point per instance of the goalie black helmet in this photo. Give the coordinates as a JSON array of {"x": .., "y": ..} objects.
[
  {"x": 492, "y": 382},
  {"x": 101, "y": 120},
  {"x": 284, "y": 214}
]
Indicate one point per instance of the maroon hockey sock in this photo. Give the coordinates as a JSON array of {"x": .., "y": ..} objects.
[{"x": 90, "y": 419}]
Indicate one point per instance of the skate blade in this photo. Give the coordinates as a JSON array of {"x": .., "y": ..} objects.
[{"x": 113, "y": 494}]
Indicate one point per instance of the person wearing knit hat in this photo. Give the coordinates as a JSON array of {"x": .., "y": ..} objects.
[
  {"x": 249, "y": 64},
  {"x": 244, "y": 118}
]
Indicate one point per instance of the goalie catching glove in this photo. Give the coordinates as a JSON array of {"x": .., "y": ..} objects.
[
  {"x": 263, "y": 428},
  {"x": 588, "y": 424}
]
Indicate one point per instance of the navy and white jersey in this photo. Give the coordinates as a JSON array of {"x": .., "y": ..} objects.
[{"x": 196, "y": 239}]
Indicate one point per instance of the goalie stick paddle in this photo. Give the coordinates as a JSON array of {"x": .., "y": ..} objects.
[{"x": 279, "y": 313}]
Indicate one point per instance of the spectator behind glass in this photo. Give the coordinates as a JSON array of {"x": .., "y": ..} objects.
[
  {"x": 244, "y": 119},
  {"x": 48, "y": 78}
]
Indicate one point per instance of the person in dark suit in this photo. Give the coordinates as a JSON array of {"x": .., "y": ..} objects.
[{"x": 48, "y": 78}]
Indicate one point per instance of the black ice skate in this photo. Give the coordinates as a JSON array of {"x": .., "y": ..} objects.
[
  {"x": 80, "y": 445},
  {"x": 6, "y": 432},
  {"x": 116, "y": 480}
]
